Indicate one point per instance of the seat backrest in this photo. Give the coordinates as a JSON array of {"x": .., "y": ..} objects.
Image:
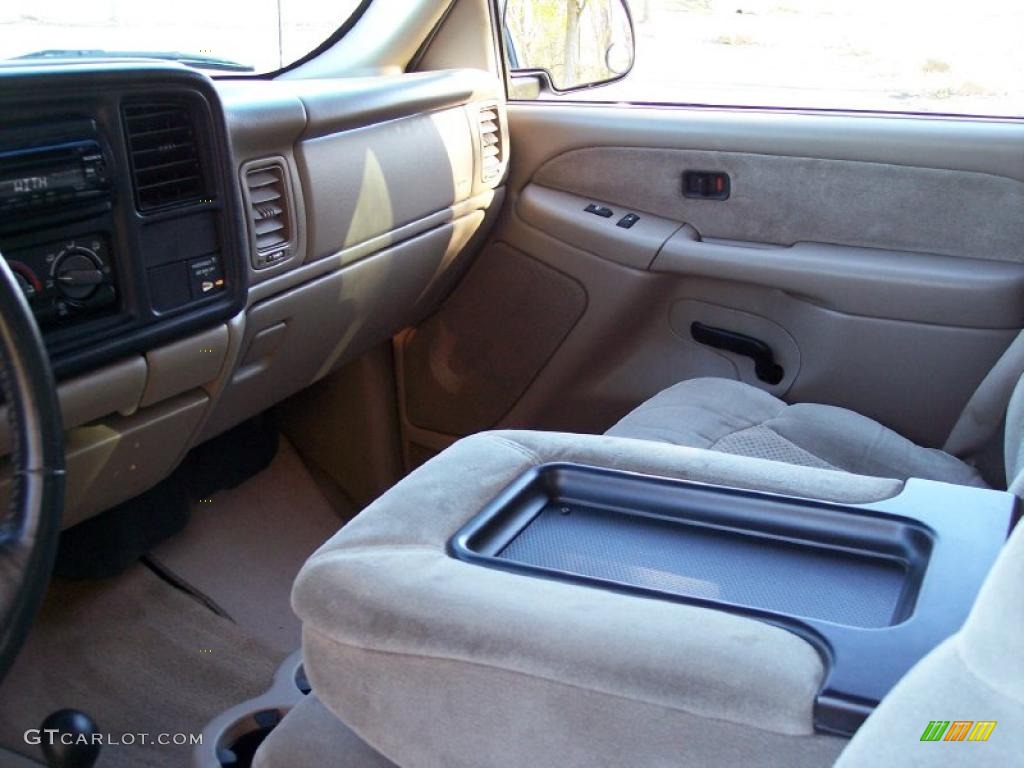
[
  {"x": 977, "y": 430},
  {"x": 975, "y": 677},
  {"x": 1013, "y": 441}
]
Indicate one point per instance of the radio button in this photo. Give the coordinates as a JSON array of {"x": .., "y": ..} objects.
[{"x": 206, "y": 276}]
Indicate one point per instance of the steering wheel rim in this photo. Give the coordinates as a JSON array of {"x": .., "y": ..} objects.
[{"x": 30, "y": 527}]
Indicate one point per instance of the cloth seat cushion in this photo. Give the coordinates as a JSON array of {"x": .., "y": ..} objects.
[{"x": 737, "y": 418}]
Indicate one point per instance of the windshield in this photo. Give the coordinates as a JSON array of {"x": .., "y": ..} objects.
[{"x": 218, "y": 35}]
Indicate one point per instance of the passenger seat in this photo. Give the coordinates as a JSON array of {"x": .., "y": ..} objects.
[{"x": 733, "y": 417}]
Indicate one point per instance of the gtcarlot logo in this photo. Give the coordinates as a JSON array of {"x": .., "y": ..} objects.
[{"x": 53, "y": 736}]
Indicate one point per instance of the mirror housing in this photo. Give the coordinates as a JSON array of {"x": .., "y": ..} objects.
[{"x": 573, "y": 44}]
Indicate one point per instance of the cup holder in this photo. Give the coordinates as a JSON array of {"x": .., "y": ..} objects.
[
  {"x": 239, "y": 742},
  {"x": 231, "y": 739}
]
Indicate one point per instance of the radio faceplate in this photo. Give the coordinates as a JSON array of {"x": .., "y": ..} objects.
[
  {"x": 36, "y": 178},
  {"x": 55, "y": 199}
]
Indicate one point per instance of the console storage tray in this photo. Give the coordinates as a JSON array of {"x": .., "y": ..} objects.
[{"x": 864, "y": 584}]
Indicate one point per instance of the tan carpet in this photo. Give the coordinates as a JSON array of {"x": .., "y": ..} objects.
[
  {"x": 139, "y": 656},
  {"x": 244, "y": 547}
]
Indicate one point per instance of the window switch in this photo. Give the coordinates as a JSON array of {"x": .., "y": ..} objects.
[
  {"x": 627, "y": 221},
  {"x": 600, "y": 210}
]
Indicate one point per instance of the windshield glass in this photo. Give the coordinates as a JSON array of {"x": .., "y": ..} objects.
[{"x": 218, "y": 35}]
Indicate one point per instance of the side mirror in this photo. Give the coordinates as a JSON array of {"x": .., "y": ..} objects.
[{"x": 574, "y": 43}]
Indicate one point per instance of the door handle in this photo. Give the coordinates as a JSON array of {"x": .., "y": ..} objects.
[{"x": 765, "y": 367}]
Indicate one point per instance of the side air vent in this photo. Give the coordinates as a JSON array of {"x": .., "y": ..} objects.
[
  {"x": 491, "y": 144},
  {"x": 270, "y": 217},
  {"x": 164, "y": 155}
]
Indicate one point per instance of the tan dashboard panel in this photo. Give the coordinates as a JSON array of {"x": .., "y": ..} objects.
[
  {"x": 117, "y": 458},
  {"x": 298, "y": 336},
  {"x": 185, "y": 364},
  {"x": 363, "y": 183},
  {"x": 115, "y": 389}
]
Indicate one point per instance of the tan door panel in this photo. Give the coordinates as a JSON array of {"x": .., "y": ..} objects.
[
  {"x": 784, "y": 200},
  {"x": 882, "y": 259}
]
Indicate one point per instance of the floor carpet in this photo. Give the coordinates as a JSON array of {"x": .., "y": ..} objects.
[
  {"x": 139, "y": 656},
  {"x": 142, "y": 656},
  {"x": 243, "y": 547}
]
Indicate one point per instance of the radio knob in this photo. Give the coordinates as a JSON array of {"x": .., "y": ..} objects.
[{"x": 77, "y": 273}]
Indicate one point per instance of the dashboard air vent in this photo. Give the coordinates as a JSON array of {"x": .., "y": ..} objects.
[
  {"x": 164, "y": 155},
  {"x": 491, "y": 146},
  {"x": 266, "y": 187}
]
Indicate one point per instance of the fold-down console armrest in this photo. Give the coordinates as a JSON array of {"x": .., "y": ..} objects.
[{"x": 872, "y": 587}]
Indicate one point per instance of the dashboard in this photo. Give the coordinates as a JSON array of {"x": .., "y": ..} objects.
[
  {"x": 118, "y": 212},
  {"x": 196, "y": 251}
]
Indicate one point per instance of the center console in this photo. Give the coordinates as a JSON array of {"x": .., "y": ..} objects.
[
  {"x": 118, "y": 209},
  {"x": 873, "y": 587}
]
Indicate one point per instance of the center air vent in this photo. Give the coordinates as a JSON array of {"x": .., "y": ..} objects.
[
  {"x": 164, "y": 155},
  {"x": 266, "y": 187},
  {"x": 491, "y": 147}
]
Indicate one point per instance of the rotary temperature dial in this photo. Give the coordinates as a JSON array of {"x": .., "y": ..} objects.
[{"x": 77, "y": 273}]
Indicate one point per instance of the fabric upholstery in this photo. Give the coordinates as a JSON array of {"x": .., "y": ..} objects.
[
  {"x": 310, "y": 736},
  {"x": 436, "y": 712},
  {"x": 1013, "y": 437},
  {"x": 411, "y": 648},
  {"x": 984, "y": 413},
  {"x": 733, "y": 417},
  {"x": 785, "y": 200},
  {"x": 977, "y": 674}
]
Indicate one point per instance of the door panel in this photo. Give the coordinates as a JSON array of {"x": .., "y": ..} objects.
[
  {"x": 473, "y": 361},
  {"x": 882, "y": 258},
  {"x": 874, "y": 282},
  {"x": 787, "y": 199}
]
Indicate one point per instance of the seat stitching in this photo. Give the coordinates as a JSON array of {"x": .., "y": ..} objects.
[
  {"x": 521, "y": 449},
  {"x": 657, "y": 429},
  {"x": 731, "y": 420}
]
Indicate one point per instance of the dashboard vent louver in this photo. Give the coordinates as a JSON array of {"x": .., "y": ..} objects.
[
  {"x": 491, "y": 144},
  {"x": 266, "y": 189},
  {"x": 164, "y": 155}
]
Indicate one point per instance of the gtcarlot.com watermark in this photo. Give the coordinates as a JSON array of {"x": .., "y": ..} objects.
[{"x": 52, "y": 736}]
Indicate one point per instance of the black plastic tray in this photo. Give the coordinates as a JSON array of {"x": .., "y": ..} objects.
[{"x": 872, "y": 587}]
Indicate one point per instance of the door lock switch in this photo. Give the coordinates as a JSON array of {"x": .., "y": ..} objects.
[
  {"x": 706, "y": 185},
  {"x": 627, "y": 221},
  {"x": 600, "y": 210}
]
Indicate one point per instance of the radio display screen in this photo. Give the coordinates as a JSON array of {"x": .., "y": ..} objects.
[
  {"x": 50, "y": 174},
  {"x": 56, "y": 180}
]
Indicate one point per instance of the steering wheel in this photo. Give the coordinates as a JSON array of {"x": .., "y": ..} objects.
[{"x": 31, "y": 524}]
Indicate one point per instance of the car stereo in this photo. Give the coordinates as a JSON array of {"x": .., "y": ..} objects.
[
  {"x": 41, "y": 177},
  {"x": 55, "y": 204}
]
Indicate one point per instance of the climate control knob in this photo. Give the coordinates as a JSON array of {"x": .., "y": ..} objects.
[{"x": 77, "y": 273}]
